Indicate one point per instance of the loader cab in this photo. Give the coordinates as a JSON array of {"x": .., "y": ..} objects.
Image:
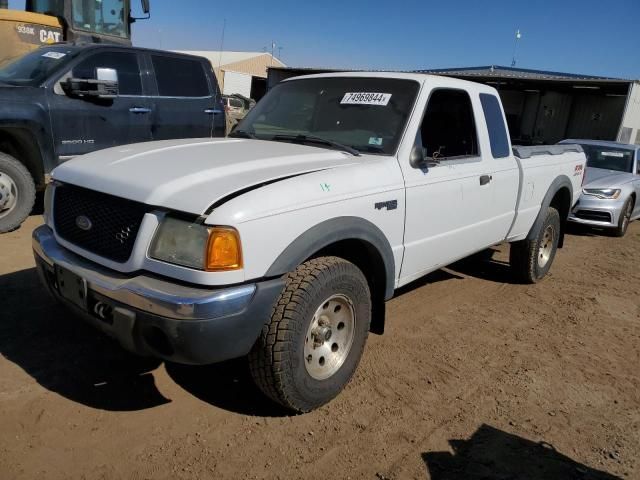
[{"x": 89, "y": 20}]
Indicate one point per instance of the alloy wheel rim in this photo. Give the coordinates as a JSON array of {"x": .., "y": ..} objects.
[
  {"x": 546, "y": 246},
  {"x": 329, "y": 337},
  {"x": 8, "y": 195}
]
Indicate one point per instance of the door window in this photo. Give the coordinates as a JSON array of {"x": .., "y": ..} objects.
[
  {"x": 180, "y": 77},
  {"x": 125, "y": 63},
  {"x": 448, "y": 129},
  {"x": 495, "y": 125}
]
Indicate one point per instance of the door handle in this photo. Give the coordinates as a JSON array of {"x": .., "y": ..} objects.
[
  {"x": 213, "y": 111},
  {"x": 140, "y": 110},
  {"x": 484, "y": 179}
]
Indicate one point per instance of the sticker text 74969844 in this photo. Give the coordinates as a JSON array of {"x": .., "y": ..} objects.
[{"x": 365, "y": 98}]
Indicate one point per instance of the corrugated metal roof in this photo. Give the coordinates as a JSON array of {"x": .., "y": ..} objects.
[
  {"x": 495, "y": 71},
  {"x": 225, "y": 58},
  {"x": 499, "y": 71}
]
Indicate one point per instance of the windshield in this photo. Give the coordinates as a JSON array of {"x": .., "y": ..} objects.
[
  {"x": 366, "y": 114},
  {"x": 105, "y": 17},
  {"x": 34, "y": 67},
  {"x": 608, "y": 158}
]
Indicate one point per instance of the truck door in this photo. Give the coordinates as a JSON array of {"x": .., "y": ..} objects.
[
  {"x": 185, "y": 104},
  {"x": 82, "y": 125},
  {"x": 502, "y": 165},
  {"x": 449, "y": 202}
]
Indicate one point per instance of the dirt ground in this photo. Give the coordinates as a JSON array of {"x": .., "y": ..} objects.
[{"x": 475, "y": 378}]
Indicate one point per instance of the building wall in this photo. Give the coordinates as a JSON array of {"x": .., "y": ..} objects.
[
  {"x": 630, "y": 128},
  {"x": 595, "y": 116},
  {"x": 255, "y": 66}
]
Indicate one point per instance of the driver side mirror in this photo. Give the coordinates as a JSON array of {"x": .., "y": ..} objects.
[
  {"x": 417, "y": 157},
  {"x": 105, "y": 86}
]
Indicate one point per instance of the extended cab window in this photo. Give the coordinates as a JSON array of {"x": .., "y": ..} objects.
[
  {"x": 495, "y": 125},
  {"x": 448, "y": 129},
  {"x": 180, "y": 77},
  {"x": 125, "y": 63}
]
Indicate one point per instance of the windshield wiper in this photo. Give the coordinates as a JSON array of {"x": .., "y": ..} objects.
[
  {"x": 314, "y": 139},
  {"x": 242, "y": 134}
]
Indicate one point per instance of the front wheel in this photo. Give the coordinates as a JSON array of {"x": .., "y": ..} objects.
[
  {"x": 531, "y": 260},
  {"x": 625, "y": 218},
  {"x": 308, "y": 351},
  {"x": 17, "y": 193}
]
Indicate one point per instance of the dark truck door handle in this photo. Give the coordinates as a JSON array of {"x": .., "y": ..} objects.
[
  {"x": 213, "y": 111},
  {"x": 140, "y": 110},
  {"x": 484, "y": 179}
]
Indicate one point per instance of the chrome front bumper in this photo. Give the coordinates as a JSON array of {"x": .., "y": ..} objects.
[{"x": 150, "y": 315}]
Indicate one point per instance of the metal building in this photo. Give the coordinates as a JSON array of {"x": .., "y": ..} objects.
[
  {"x": 545, "y": 107},
  {"x": 244, "y": 73}
]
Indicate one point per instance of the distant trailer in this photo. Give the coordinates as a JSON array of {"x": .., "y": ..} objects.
[{"x": 545, "y": 107}]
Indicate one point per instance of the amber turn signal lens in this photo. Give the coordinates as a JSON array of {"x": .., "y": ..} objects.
[{"x": 223, "y": 250}]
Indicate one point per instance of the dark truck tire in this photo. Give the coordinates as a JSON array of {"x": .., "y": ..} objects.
[
  {"x": 17, "y": 193},
  {"x": 309, "y": 350},
  {"x": 625, "y": 218},
  {"x": 531, "y": 260}
]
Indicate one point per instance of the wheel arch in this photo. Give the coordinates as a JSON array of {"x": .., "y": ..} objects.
[
  {"x": 354, "y": 239},
  {"x": 22, "y": 144},
  {"x": 559, "y": 196}
]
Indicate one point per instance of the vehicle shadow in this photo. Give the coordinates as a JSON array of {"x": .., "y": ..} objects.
[
  {"x": 433, "y": 277},
  {"x": 71, "y": 358},
  {"x": 492, "y": 454},
  {"x": 227, "y": 385},
  {"x": 587, "y": 231},
  {"x": 68, "y": 357},
  {"x": 482, "y": 265}
]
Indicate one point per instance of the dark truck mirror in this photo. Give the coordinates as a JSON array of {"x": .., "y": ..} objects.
[
  {"x": 145, "y": 7},
  {"x": 417, "y": 158},
  {"x": 105, "y": 85}
]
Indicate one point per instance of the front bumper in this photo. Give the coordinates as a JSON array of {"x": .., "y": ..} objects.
[
  {"x": 597, "y": 212},
  {"x": 153, "y": 316}
]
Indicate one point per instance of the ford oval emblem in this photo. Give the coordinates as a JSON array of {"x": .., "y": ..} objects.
[{"x": 83, "y": 223}]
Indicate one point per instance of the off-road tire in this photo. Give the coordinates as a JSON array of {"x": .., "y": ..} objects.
[
  {"x": 26, "y": 192},
  {"x": 623, "y": 224},
  {"x": 524, "y": 255},
  {"x": 277, "y": 359}
]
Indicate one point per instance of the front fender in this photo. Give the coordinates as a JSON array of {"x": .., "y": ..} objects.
[{"x": 330, "y": 232}]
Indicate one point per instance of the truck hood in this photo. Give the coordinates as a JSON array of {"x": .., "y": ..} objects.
[
  {"x": 190, "y": 175},
  {"x": 602, "y": 178},
  {"x": 14, "y": 94}
]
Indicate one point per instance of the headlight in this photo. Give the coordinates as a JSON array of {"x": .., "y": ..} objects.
[
  {"x": 610, "y": 193},
  {"x": 197, "y": 246},
  {"x": 48, "y": 204}
]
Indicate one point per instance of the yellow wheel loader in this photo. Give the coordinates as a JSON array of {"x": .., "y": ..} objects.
[{"x": 50, "y": 21}]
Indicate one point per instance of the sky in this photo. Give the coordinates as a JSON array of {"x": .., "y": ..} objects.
[{"x": 594, "y": 37}]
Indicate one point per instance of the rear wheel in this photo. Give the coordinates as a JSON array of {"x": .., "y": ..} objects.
[
  {"x": 17, "y": 193},
  {"x": 312, "y": 345},
  {"x": 625, "y": 219},
  {"x": 531, "y": 260}
]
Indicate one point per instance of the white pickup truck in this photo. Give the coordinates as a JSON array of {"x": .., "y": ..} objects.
[{"x": 283, "y": 242}]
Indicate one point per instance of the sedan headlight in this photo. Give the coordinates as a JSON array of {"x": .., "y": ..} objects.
[
  {"x": 609, "y": 193},
  {"x": 193, "y": 245}
]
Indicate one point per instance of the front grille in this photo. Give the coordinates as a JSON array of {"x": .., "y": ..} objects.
[
  {"x": 109, "y": 224},
  {"x": 593, "y": 215}
]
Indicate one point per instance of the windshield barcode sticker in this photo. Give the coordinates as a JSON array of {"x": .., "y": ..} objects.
[
  {"x": 365, "y": 98},
  {"x": 55, "y": 55},
  {"x": 613, "y": 154}
]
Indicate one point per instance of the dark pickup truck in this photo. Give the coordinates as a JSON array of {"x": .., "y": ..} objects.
[{"x": 66, "y": 100}]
